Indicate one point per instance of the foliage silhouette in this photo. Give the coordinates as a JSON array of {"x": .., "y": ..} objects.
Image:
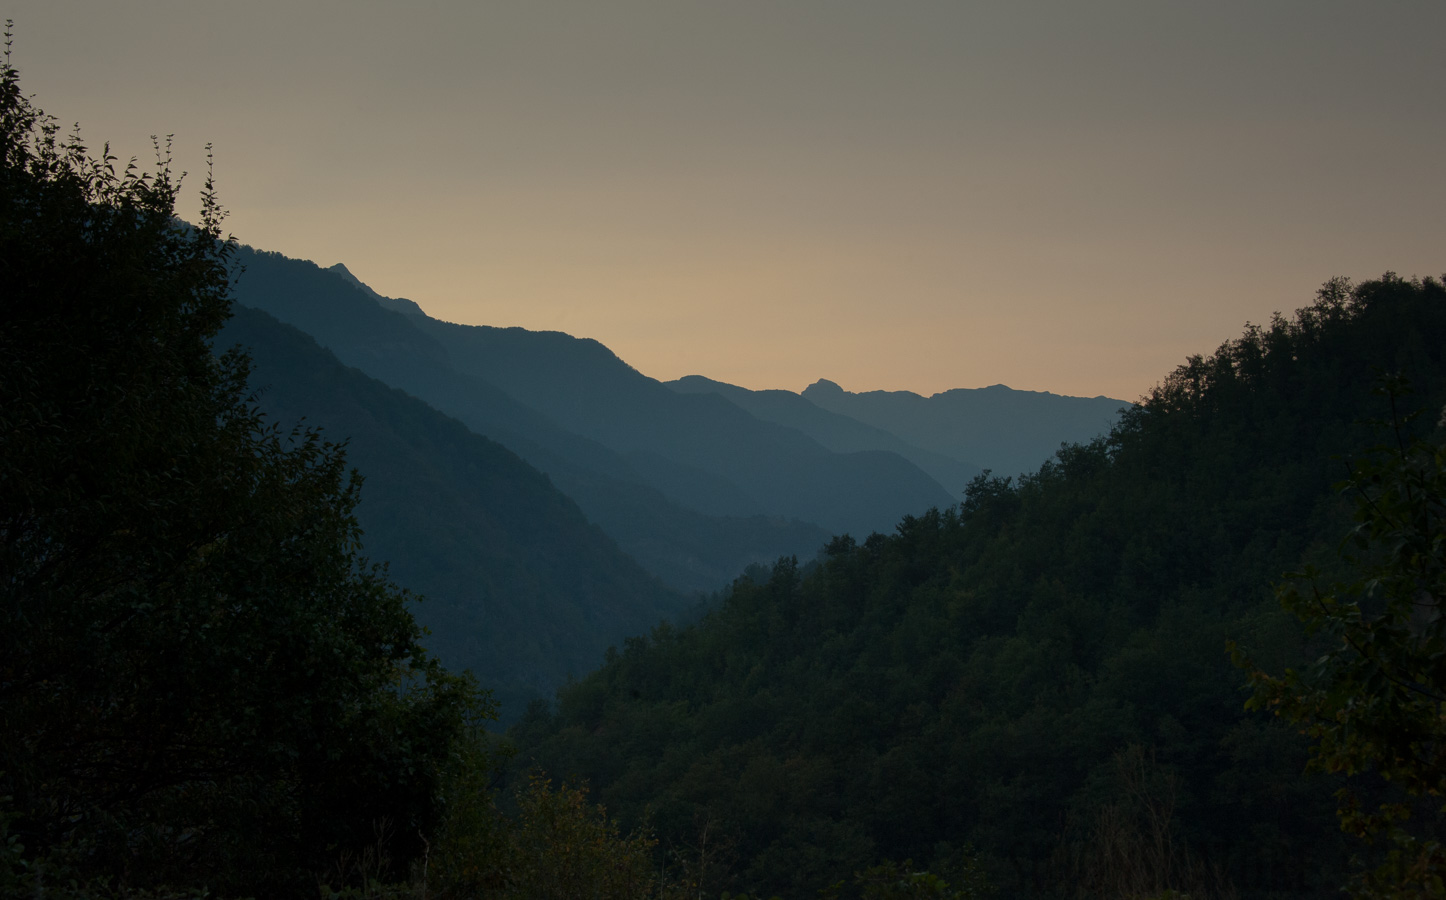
[
  {"x": 1372, "y": 703},
  {"x": 201, "y": 681}
]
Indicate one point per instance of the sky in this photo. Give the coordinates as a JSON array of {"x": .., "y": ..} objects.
[{"x": 900, "y": 195}]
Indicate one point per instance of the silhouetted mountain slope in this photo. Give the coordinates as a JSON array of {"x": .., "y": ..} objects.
[
  {"x": 835, "y": 431},
  {"x": 687, "y": 549},
  {"x": 700, "y": 449},
  {"x": 692, "y": 551},
  {"x": 996, "y": 428},
  {"x": 395, "y": 304},
  {"x": 520, "y": 588},
  {"x": 1043, "y": 671}
]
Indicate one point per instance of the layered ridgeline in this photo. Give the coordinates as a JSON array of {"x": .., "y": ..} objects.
[
  {"x": 694, "y": 488},
  {"x": 996, "y": 427},
  {"x": 520, "y": 588},
  {"x": 951, "y": 435},
  {"x": 696, "y": 479},
  {"x": 699, "y": 450},
  {"x": 1036, "y": 679},
  {"x": 835, "y": 431}
]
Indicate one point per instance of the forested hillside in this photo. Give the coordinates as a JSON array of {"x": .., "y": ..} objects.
[
  {"x": 205, "y": 689},
  {"x": 1038, "y": 678}
]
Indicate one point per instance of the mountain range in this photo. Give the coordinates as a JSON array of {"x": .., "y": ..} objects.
[
  {"x": 549, "y": 499},
  {"x": 1001, "y": 429},
  {"x": 835, "y": 431}
]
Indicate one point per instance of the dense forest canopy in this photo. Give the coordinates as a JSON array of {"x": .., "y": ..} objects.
[
  {"x": 201, "y": 680},
  {"x": 1372, "y": 701},
  {"x": 1033, "y": 676}
]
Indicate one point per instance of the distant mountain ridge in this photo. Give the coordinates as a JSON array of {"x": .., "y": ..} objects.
[
  {"x": 695, "y": 479},
  {"x": 837, "y": 432},
  {"x": 574, "y": 409},
  {"x": 395, "y": 304},
  {"x": 689, "y": 550},
  {"x": 995, "y": 427},
  {"x": 700, "y": 449}
]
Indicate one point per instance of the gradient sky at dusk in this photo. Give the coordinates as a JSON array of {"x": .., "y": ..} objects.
[{"x": 903, "y": 195}]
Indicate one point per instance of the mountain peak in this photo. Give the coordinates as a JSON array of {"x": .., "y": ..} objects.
[
  {"x": 344, "y": 272},
  {"x": 395, "y": 304},
  {"x": 695, "y": 382},
  {"x": 823, "y": 387}
]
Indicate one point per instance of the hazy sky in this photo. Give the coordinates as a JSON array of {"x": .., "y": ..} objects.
[{"x": 1057, "y": 196}]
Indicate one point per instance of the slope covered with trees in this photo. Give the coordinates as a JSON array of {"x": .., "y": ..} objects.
[
  {"x": 1039, "y": 674},
  {"x": 1372, "y": 702},
  {"x": 205, "y": 689},
  {"x": 201, "y": 679}
]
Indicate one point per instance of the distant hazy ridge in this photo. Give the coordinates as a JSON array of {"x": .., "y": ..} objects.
[{"x": 995, "y": 427}]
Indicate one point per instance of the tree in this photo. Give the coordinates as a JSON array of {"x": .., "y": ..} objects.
[
  {"x": 200, "y": 676},
  {"x": 1375, "y": 702}
]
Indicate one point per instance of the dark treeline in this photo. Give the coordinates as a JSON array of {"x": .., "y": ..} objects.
[
  {"x": 202, "y": 681},
  {"x": 1037, "y": 679}
]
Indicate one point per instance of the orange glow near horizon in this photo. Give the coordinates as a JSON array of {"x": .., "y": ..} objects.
[{"x": 913, "y": 197}]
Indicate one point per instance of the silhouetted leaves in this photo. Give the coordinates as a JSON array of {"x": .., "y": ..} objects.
[{"x": 201, "y": 681}]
